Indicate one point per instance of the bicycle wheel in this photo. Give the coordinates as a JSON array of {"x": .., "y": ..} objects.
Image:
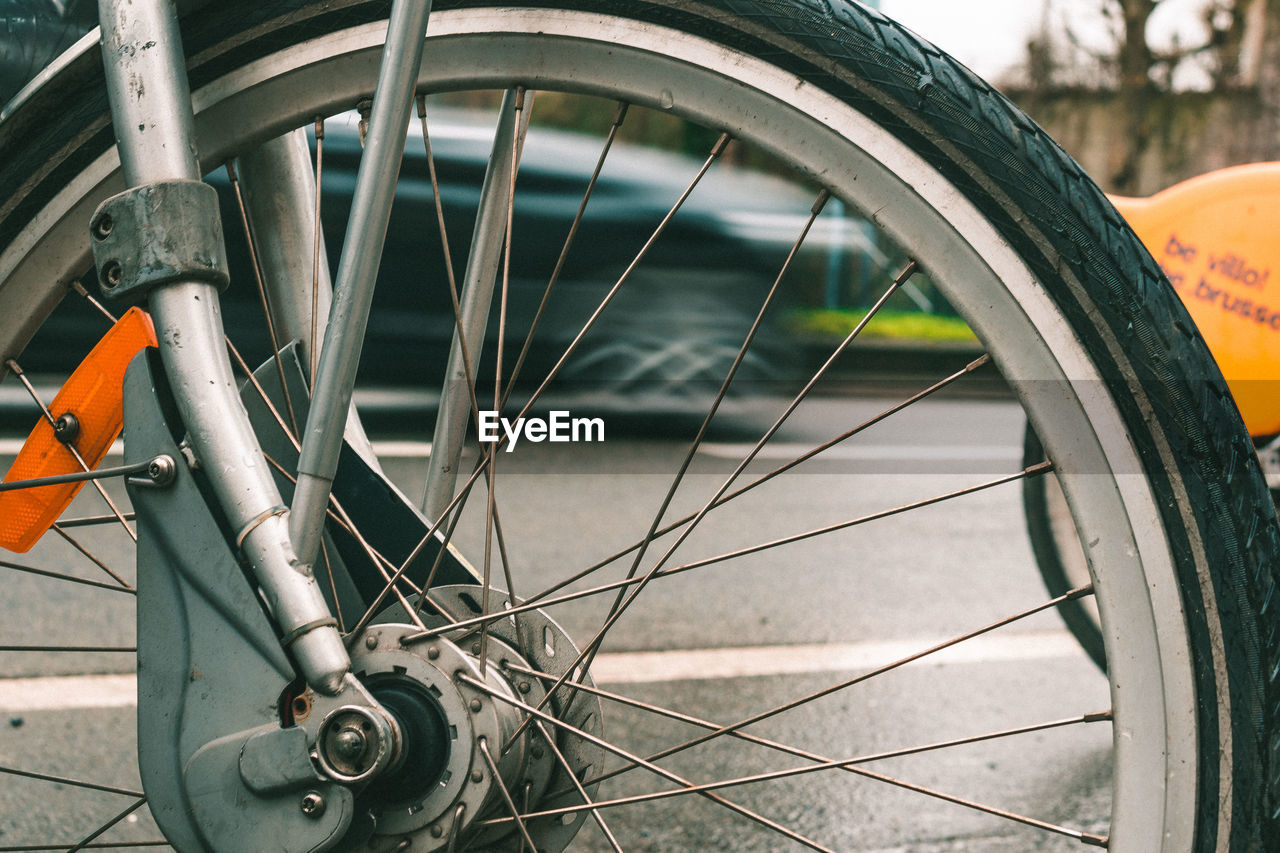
[{"x": 777, "y": 676}]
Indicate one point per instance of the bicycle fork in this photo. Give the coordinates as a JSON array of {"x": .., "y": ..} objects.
[{"x": 160, "y": 241}]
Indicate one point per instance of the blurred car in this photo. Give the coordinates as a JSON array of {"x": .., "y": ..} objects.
[{"x": 672, "y": 330}]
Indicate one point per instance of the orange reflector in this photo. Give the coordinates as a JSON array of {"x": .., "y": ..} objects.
[{"x": 94, "y": 395}]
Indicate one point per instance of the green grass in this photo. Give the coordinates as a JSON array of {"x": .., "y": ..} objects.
[{"x": 886, "y": 325}]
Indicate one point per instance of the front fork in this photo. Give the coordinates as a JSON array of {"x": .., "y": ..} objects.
[{"x": 152, "y": 115}]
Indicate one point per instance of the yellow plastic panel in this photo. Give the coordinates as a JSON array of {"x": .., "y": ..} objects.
[{"x": 1217, "y": 237}]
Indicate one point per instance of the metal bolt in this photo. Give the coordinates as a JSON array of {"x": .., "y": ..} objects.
[
  {"x": 66, "y": 428},
  {"x": 475, "y": 705},
  {"x": 111, "y": 274},
  {"x": 523, "y": 687},
  {"x": 102, "y": 228},
  {"x": 477, "y": 776},
  {"x": 433, "y": 653},
  {"x": 536, "y": 751},
  {"x": 475, "y": 648},
  {"x": 436, "y": 830},
  {"x": 349, "y": 743},
  {"x": 371, "y": 642},
  {"x": 312, "y": 804},
  {"x": 162, "y": 470}
]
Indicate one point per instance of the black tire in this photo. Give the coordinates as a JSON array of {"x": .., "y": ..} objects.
[{"x": 1176, "y": 414}]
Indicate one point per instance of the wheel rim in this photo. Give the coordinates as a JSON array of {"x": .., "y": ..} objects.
[{"x": 1029, "y": 343}]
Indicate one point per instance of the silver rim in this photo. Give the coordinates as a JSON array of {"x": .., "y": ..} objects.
[{"x": 1154, "y": 732}]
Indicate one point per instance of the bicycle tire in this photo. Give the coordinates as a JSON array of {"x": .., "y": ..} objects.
[{"x": 1087, "y": 274}]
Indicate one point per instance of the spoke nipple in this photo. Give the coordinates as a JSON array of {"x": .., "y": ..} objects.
[
  {"x": 1080, "y": 592},
  {"x": 66, "y": 428},
  {"x": 1100, "y": 717}
]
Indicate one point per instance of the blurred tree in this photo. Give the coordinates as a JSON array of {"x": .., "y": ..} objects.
[{"x": 1235, "y": 47}]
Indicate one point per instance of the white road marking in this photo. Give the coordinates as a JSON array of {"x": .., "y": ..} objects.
[
  {"x": 862, "y": 452},
  {"x": 398, "y": 449},
  {"x": 67, "y": 693},
  {"x": 27, "y": 695},
  {"x": 634, "y": 667}
]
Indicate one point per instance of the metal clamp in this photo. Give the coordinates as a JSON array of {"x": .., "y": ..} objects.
[{"x": 158, "y": 234}]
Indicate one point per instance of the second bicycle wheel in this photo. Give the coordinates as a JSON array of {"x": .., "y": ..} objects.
[{"x": 853, "y": 653}]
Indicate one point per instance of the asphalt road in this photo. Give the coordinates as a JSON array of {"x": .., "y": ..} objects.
[{"x": 721, "y": 642}]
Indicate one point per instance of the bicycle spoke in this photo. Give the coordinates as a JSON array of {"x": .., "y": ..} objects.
[
  {"x": 1033, "y": 471},
  {"x": 129, "y": 649},
  {"x": 69, "y": 578},
  {"x": 625, "y": 599},
  {"x": 578, "y": 786},
  {"x": 521, "y": 120},
  {"x": 496, "y": 775},
  {"x": 1104, "y": 716},
  {"x": 808, "y": 769},
  {"x": 1073, "y": 595},
  {"x": 618, "y": 118},
  {"x": 413, "y": 555},
  {"x": 622, "y": 753},
  {"x": 587, "y": 655},
  {"x": 781, "y": 469},
  {"x": 285, "y": 429},
  {"x": 333, "y": 586},
  {"x": 80, "y": 291},
  {"x": 93, "y": 520},
  {"x": 105, "y": 845},
  {"x": 75, "y": 783},
  {"x": 267, "y": 313},
  {"x": 313, "y": 349},
  {"x": 715, "y": 153},
  {"x": 88, "y": 555},
  {"x": 106, "y": 826}
]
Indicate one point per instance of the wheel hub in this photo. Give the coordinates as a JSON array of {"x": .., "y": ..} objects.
[{"x": 441, "y": 787}]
